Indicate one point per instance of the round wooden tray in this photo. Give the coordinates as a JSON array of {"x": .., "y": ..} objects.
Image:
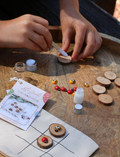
[{"x": 98, "y": 121}]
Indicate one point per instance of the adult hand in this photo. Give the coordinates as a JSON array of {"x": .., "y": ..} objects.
[
  {"x": 73, "y": 23},
  {"x": 26, "y": 31}
]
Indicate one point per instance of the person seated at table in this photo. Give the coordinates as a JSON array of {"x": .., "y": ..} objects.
[{"x": 32, "y": 32}]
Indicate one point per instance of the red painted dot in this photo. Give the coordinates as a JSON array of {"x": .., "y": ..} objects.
[
  {"x": 17, "y": 111},
  {"x": 57, "y": 87},
  {"x": 44, "y": 139},
  {"x": 63, "y": 89},
  {"x": 70, "y": 91},
  {"x": 75, "y": 88},
  {"x": 12, "y": 104}
]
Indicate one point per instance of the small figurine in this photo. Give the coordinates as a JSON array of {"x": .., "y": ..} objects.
[
  {"x": 57, "y": 128},
  {"x": 45, "y": 140},
  {"x": 86, "y": 84},
  {"x": 72, "y": 81},
  {"x": 63, "y": 89},
  {"x": 70, "y": 91},
  {"x": 54, "y": 81},
  {"x": 57, "y": 88}
]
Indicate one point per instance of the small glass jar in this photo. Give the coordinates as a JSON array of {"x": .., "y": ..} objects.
[{"x": 20, "y": 70}]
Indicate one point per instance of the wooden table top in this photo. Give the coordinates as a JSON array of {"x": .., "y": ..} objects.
[{"x": 99, "y": 122}]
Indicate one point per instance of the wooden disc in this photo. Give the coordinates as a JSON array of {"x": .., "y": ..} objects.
[
  {"x": 44, "y": 145},
  {"x": 103, "y": 81},
  {"x": 117, "y": 82},
  {"x": 64, "y": 60},
  {"x": 110, "y": 75},
  {"x": 58, "y": 133},
  {"x": 98, "y": 89},
  {"x": 105, "y": 99}
]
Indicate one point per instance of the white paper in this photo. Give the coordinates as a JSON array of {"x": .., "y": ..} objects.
[
  {"x": 18, "y": 143},
  {"x": 22, "y": 104}
]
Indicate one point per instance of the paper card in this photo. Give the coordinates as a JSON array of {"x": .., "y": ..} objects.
[{"x": 22, "y": 104}]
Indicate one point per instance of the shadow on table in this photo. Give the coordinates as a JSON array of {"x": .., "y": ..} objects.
[{"x": 48, "y": 65}]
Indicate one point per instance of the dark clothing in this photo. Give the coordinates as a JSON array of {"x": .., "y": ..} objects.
[{"x": 49, "y": 9}]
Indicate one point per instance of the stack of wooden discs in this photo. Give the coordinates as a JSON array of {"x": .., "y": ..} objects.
[{"x": 103, "y": 83}]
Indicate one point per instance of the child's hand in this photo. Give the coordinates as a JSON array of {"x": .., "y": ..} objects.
[{"x": 26, "y": 31}]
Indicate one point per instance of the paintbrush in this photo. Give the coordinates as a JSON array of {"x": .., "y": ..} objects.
[{"x": 59, "y": 49}]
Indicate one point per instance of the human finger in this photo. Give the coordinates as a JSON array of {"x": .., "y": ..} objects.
[
  {"x": 90, "y": 44},
  {"x": 37, "y": 19},
  {"x": 31, "y": 45},
  {"x": 98, "y": 43},
  {"x": 79, "y": 40},
  {"x": 67, "y": 34},
  {"x": 39, "y": 40},
  {"x": 43, "y": 31}
]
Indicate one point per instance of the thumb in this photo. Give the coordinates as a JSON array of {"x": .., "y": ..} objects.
[{"x": 66, "y": 40}]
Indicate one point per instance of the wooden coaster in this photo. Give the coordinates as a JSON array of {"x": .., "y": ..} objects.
[
  {"x": 44, "y": 145},
  {"x": 105, "y": 99},
  {"x": 64, "y": 60},
  {"x": 103, "y": 81},
  {"x": 117, "y": 82},
  {"x": 98, "y": 89},
  {"x": 53, "y": 128},
  {"x": 110, "y": 75}
]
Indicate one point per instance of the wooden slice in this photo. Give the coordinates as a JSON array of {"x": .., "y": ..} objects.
[
  {"x": 110, "y": 75},
  {"x": 103, "y": 81},
  {"x": 98, "y": 89},
  {"x": 117, "y": 82},
  {"x": 58, "y": 133},
  {"x": 64, "y": 60},
  {"x": 105, "y": 99},
  {"x": 44, "y": 145}
]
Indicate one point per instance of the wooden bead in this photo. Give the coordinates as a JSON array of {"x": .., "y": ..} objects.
[
  {"x": 98, "y": 89},
  {"x": 103, "y": 81},
  {"x": 110, "y": 75},
  {"x": 105, "y": 99}
]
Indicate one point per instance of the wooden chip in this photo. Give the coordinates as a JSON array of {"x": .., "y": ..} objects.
[
  {"x": 110, "y": 75},
  {"x": 105, "y": 99},
  {"x": 117, "y": 82},
  {"x": 45, "y": 145},
  {"x": 98, "y": 89},
  {"x": 64, "y": 60},
  {"x": 60, "y": 133},
  {"x": 103, "y": 81}
]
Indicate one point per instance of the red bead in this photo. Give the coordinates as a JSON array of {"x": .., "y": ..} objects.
[
  {"x": 44, "y": 139},
  {"x": 70, "y": 91},
  {"x": 63, "y": 89},
  {"x": 75, "y": 88},
  {"x": 57, "y": 87}
]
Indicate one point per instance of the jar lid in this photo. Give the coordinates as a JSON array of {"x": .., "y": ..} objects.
[
  {"x": 31, "y": 65},
  {"x": 78, "y": 109}
]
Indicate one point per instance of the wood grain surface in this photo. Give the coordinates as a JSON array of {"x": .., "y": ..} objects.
[{"x": 99, "y": 122}]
